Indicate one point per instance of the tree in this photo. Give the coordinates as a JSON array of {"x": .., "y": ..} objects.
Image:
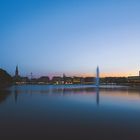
[{"x": 5, "y": 79}]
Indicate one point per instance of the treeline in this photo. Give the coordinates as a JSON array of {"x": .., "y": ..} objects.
[{"x": 5, "y": 79}]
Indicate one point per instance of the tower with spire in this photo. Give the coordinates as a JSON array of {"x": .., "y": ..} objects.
[
  {"x": 16, "y": 72},
  {"x": 17, "y": 76}
]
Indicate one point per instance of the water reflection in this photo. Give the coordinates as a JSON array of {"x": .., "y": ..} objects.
[
  {"x": 4, "y": 95},
  {"x": 97, "y": 96},
  {"x": 56, "y": 91},
  {"x": 16, "y": 94},
  {"x": 121, "y": 92},
  {"x": 86, "y": 112}
]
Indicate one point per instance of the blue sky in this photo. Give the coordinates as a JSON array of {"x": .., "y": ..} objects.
[{"x": 51, "y": 37}]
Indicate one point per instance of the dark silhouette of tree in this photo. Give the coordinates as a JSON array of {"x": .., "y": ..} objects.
[
  {"x": 5, "y": 79},
  {"x": 4, "y": 95}
]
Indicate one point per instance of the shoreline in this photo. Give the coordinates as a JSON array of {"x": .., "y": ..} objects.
[{"x": 80, "y": 87}]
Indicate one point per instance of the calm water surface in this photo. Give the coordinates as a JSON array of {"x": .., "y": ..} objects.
[{"x": 69, "y": 112}]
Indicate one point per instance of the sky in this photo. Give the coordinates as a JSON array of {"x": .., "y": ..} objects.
[{"x": 52, "y": 37}]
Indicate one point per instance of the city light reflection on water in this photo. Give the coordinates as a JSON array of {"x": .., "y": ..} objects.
[{"x": 69, "y": 112}]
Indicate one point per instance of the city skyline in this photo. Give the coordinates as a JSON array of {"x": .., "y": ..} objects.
[
  {"x": 71, "y": 37},
  {"x": 17, "y": 72}
]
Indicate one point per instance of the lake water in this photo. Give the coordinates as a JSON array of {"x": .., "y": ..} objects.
[{"x": 69, "y": 112}]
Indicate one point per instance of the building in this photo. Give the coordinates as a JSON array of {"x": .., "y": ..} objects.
[
  {"x": 134, "y": 79},
  {"x": 89, "y": 80},
  {"x": 78, "y": 80},
  {"x": 114, "y": 80},
  {"x": 43, "y": 80},
  {"x": 67, "y": 80},
  {"x": 57, "y": 80}
]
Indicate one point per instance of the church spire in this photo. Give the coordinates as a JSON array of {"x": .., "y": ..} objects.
[{"x": 16, "y": 72}]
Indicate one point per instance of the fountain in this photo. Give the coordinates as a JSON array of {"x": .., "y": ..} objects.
[
  {"x": 97, "y": 77},
  {"x": 97, "y": 85}
]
